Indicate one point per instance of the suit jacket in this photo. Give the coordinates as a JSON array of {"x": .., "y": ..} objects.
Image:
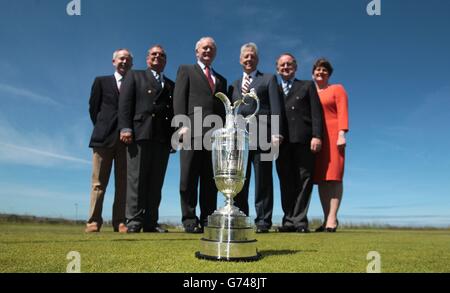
[
  {"x": 302, "y": 115},
  {"x": 266, "y": 88},
  {"x": 103, "y": 106},
  {"x": 145, "y": 107},
  {"x": 192, "y": 90}
]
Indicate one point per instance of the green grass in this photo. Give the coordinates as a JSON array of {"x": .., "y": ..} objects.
[{"x": 43, "y": 248}]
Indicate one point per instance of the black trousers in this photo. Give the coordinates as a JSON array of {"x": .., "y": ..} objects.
[
  {"x": 147, "y": 164},
  {"x": 263, "y": 190},
  {"x": 295, "y": 167},
  {"x": 196, "y": 165}
]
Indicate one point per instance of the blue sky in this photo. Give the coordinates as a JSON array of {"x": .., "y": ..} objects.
[{"x": 394, "y": 67}]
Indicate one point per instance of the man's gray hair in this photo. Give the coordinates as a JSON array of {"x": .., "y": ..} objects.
[
  {"x": 250, "y": 45},
  {"x": 287, "y": 54},
  {"x": 121, "y": 49},
  {"x": 203, "y": 39},
  {"x": 155, "y": 46}
]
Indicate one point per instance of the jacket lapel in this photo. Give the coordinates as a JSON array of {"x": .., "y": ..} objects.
[
  {"x": 114, "y": 85},
  {"x": 295, "y": 85},
  {"x": 294, "y": 88},
  {"x": 152, "y": 80},
  {"x": 166, "y": 86},
  {"x": 153, "y": 83},
  {"x": 218, "y": 83},
  {"x": 255, "y": 80},
  {"x": 239, "y": 85},
  {"x": 199, "y": 71}
]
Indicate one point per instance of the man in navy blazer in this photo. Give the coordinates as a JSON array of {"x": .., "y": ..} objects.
[
  {"x": 195, "y": 88},
  {"x": 145, "y": 114},
  {"x": 107, "y": 148},
  {"x": 266, "y": 88},
  {"x": 302, "y": 117}
]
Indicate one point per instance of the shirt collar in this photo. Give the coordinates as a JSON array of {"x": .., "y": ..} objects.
[
  {"x": 203, "y": 66},
  {"x": 251, "y": 75},
  {"x": 291, "y": 81},
  {"x": 118, "y": 76},
  {"x": 161, "y": 74}
]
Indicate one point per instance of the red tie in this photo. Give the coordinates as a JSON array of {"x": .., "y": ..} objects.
[{"x": 208, "y": 76}]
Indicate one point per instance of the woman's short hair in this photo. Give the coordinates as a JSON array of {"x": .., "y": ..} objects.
[{"x": 322, "y": 62}]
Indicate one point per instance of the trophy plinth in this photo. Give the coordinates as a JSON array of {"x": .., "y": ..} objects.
[{"x": 229, "y": 235}]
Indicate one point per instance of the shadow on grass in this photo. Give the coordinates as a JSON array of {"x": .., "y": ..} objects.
[
  {"x": 161, "y": 239},
  {"x": 266, "y": 253},
  {"x": 94, "y": 240}
]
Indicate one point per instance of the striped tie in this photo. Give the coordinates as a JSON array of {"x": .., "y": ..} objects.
[
  {"x": 286, "y": 87},
  {"x": 246, "y": 85}
]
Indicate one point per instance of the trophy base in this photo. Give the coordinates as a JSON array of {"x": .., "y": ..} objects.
[
  {"x": 237, "y": 259},
  {"x": 228, "y": 238}
]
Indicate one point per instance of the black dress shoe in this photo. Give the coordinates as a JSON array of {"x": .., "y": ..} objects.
[
  {"x": 156, "y": 229},
  {"x": 286, "y": 229},
  {"x": 332, "y": 229},
  {"x": 261, "y": 230},
  {"x": 320, "y": 229},
  {"x": 193, "y": 230},
  {"x": 302, "y": 230},
  {"x": 134, "y": 229}
]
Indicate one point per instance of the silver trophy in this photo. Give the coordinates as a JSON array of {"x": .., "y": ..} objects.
[{"x": 229, "y": 235}]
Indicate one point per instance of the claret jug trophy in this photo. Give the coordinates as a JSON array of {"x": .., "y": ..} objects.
[{"x": 229, "y": 235}]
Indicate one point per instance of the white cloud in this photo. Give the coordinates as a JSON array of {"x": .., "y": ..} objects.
[
  {"x": 11, "y": 90},
  {"x": 32, "y": 147},
  {"x": 9, "y": 148}
]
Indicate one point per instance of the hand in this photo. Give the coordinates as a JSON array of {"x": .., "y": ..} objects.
[
  {"x": 182, "y": 133},
  {"x": 316, "y": 145},
  {"x": 276, "y": 139},
  {"x": 341, "y": 143},
  {"x": 126, "y": 137}
]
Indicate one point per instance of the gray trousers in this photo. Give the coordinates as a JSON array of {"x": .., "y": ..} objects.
[{"x": 147, "y": 164}]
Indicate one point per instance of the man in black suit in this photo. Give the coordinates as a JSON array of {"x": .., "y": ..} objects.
[
  {"x": 107, "y": 148},
  {"x": 302, "y": 133},
  {"x": 266, "y": 88},
  {"x": 194, "y": 93},
  {"x": 145, "y": 114}
]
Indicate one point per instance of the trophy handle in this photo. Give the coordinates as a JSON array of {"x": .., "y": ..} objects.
[
  {"x": 226, "y": 102},
  {"x": 238, "y": 103},
  {"x": 231, "y": 110}
]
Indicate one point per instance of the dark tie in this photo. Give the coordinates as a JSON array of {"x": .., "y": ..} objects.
[
  {"x": 158, "y": 78},
  {"x": 246, "y": 85},
  {"x": 208, "y": 76}
]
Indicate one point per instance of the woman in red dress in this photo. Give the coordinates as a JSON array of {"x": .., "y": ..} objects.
[{"x": 329, "y": 169}]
